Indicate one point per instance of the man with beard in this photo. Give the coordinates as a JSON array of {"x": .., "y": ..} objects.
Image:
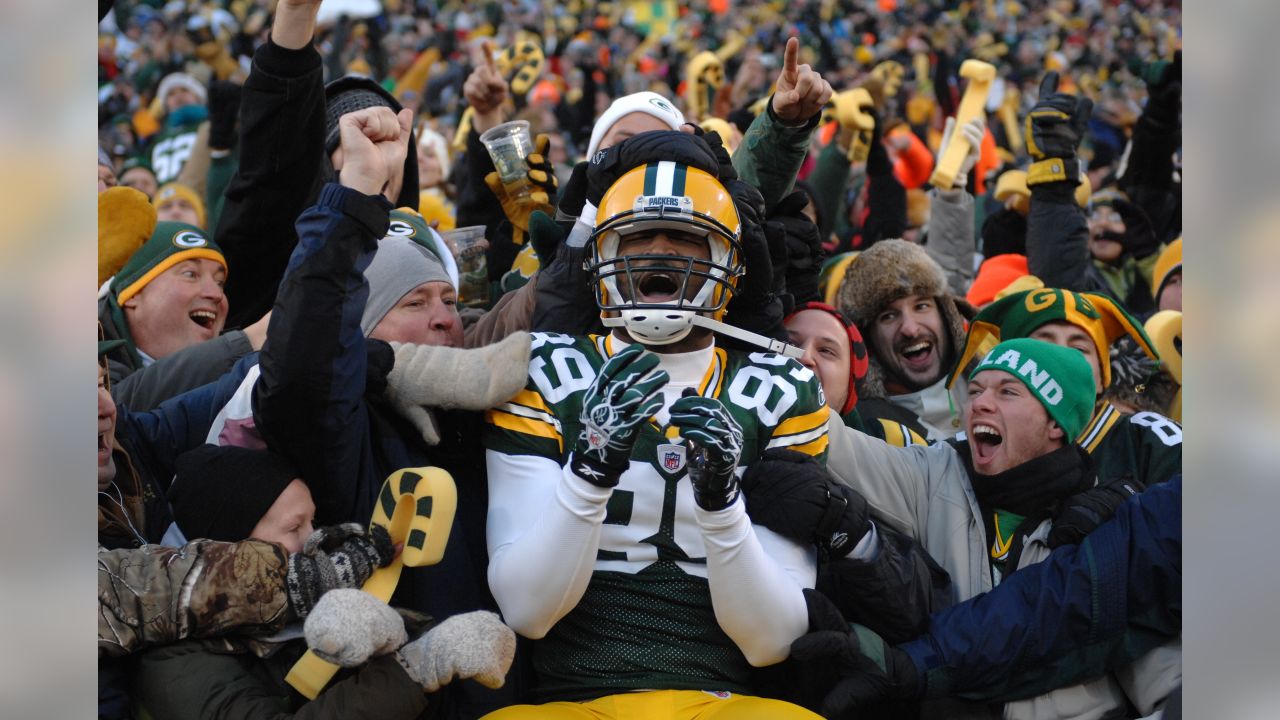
[{"x": 897, "y": 296}]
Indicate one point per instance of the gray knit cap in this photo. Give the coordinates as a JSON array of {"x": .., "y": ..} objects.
[
  {"x": 399, "y": 266},
  {"x": 347, "y": 95}
]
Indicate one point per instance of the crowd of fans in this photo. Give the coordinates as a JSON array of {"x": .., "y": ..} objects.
[{"x": 366, "y": 402}]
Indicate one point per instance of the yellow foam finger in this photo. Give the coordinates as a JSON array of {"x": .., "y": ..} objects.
[{"x": 416, "y": 506}]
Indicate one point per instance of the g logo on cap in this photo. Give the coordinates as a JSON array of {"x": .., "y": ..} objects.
[
  {"x": 188, "y": 239},
  {"x": 400, "y": 228},
  {"x": 662, "y": 105}
]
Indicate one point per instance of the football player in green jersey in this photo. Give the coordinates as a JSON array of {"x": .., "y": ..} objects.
[
  {"x": 618, "y": 538},
  {"x": 1145, "y": 446}
]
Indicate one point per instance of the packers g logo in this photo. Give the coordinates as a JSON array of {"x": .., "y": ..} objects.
[
  {"x": 400, "y": 228},
  {"x": 1038, "y": 300},
  {"x": 188, "y": 239},
  {"x": 662, "y": 105}
]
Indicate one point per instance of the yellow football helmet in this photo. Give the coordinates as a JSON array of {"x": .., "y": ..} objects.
[{"x": 665, "y": 196}]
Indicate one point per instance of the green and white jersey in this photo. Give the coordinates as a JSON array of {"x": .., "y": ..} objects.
[
  {"x": 170, "y": 151},
  {"x": 1146, "y": 446},
  {"x": 646, "y": 619}
]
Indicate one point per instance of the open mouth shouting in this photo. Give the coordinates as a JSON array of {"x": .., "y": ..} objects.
[
  {"x": 658, "y": 286},
  {"x": 205, "y": 318},
  {"x": 104, "y": 446},
  {"x": 985, "y": 441},
  {"x": 917, "y": 355}
]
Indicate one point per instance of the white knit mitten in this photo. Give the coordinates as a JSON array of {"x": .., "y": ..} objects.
[
  {"x": 349, "y": 626},
  {"x": 435, "y": 376},
  {"x": 475, "y": 645}
]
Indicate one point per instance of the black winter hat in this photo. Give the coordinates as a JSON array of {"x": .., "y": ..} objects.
[
  {"x": 349, "y": 94},
  {"x": 221, "y": 492},
  {"x": 1004, "y": 232}
]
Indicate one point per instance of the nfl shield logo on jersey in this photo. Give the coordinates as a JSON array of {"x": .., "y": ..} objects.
[{"x": 671, "y": 457}]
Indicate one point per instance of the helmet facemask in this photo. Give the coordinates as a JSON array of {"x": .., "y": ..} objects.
[{"x": 686, "y": 287}]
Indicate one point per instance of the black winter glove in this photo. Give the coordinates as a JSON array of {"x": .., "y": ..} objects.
[
  {"x": 873, "y": 670},
  {"x": 574, "y": 194},
  {"x": 715, "y": 446},
  {"x": 341, "y": 556},
  {"x": 878, "y": 163},
  {"x": 793, "y": 495},
  {"x": 803, "y": 244},
  {"x": 1164, "y": 92},
  {"x": 1082, "y": 513},
  {"x": 224, "y": 110},
  {"x": 541, "y": 172},
  {"x": 604, "y": 169},
  {"x": 1054, "y": 128},
  {"x": 565, "y": 302},
  {"x": 755, "y": 288},
  {"x": 626, "y": 393}
]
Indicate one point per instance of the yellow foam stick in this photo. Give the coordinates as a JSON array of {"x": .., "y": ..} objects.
[
  {"x": 459, "y": 143},
  {"x": 416, "y": 506},
  {"x": 972, "y": 106},
  {"x": 1009, "y": 117},
  {"x": 849, "y": 113},
  {"x": 1165, "y": 330}
]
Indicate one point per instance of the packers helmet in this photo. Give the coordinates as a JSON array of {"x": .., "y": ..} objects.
[{"x": 664, "y": 197}]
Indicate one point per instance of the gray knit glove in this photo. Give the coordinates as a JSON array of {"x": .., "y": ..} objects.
[
  {"x": 475, "y": 645},
  {"x": 434, "y": 376},
  {"x": 341, "y": 556},
  {"x": 349, "y": 626}
]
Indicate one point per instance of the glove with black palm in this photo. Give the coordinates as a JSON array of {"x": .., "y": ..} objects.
[
  {"x": 872, "y": 670},
  {"x": 793, "y": 495},
  {"x": 794, "y": 231},
  {"x": 1054, "y": 128},
  {"x": 625, "y": 394},
  {"x": 715, "y": 446},
  {"x": 1082, "y": 513},
  {"x": 1164, "y": 92}
]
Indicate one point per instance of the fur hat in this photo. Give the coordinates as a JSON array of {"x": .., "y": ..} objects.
[{"x": 891, "y": 270}]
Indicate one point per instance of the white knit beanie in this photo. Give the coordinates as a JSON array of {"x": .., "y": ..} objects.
[
  {"x": 649, "y": 103},
  {"x": 181, "y": 79}
]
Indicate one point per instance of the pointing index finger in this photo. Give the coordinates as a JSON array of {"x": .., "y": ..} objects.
[
  {"x": 791, "y": 59},
  {"x": 487, "y": 48},
  {"x": 1049, "y": 85}
]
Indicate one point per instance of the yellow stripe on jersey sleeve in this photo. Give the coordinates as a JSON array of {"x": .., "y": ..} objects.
[
  {"x": 531, "y": 399},
  {"x": 1100, "y": 433},
  {"x": 814, "y": 448},
  {"x": 525, "y": 425},
  {"x": 899, "y": 435},
  {"x": 802, "y": 424}
]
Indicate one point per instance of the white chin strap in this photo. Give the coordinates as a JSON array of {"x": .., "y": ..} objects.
[{"x": 663, "y": 327}]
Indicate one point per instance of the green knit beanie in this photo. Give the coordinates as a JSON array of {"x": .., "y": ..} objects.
[
  {"x": 1059, "y": 377},
  {"x": 170, "y": 244}
]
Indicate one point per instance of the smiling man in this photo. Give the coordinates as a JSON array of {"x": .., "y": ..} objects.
[
  {"x": 897, "y": 296},
  {"x": 1002, "y": 497},
  {"x": 166, "y": 298}
]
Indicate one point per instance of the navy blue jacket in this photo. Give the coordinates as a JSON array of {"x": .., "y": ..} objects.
[
  {"x": 314, "y": 404},
  {"x": 1086, "y": 610}
]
